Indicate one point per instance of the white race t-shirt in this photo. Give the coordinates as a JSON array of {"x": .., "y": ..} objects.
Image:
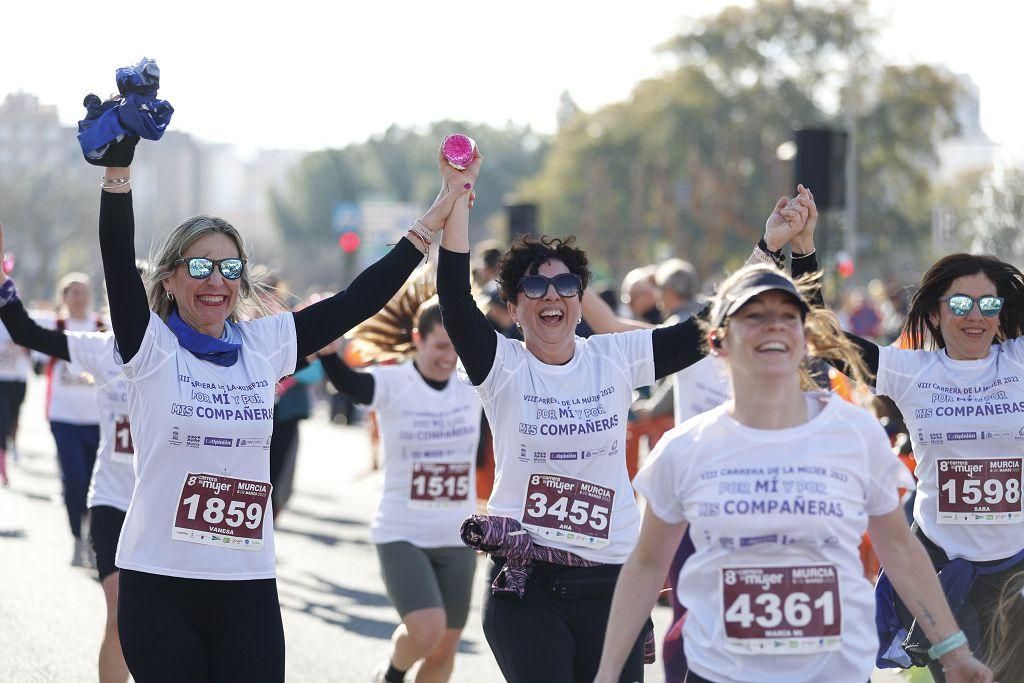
[
  {"x": 560, "y": 442},
  {"x": 14, "y": 359},
  {"x": 113, "y": 475},
  {"x": 201, "y": 507},
  {"x": 428, "y": 453},
  {"x": 775, "y": 591},
  {"x": 71, "y": 394},
  {"x": 700, "y": 387},
  {"x": 966, "y": 422}
]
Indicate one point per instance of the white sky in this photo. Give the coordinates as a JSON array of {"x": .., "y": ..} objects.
[{"x": 313, "y": 74}]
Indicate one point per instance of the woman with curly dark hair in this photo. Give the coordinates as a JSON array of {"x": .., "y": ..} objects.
[{"x": 557, "y": 404}]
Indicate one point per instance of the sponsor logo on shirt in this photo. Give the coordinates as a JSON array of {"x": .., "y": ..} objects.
[
  {"x": 936, "y": 437},
  {"x": 540, "y": 456},
  {"x": 249, "y": 443},
  {"x": 223, "y": 442},
  {"x": 175, "y": 439},
  {"x": 1001, "y": 434},
  {"x": 564, "y": 455},
  {"x": 962, "y": 436},
  {"x": 748, "y": 541},
  {"x": 192, "y": 441}
]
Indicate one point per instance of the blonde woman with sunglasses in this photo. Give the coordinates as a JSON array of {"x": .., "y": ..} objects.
[{"x": 197, "y": 594}]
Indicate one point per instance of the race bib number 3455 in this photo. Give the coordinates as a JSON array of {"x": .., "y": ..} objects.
[
  {"x": 568, "y": 510},
  {"x": 222, "y": 511},
  {"x": 785, "y": 610},
  {"x": 980, "y": 491}
]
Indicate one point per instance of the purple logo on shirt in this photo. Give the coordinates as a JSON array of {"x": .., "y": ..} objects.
[
  {"x": 217, "y": 441},
  {"x": 564, "y": 455}
]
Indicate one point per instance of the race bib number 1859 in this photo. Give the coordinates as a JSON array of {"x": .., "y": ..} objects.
[
  {"x": 568, "y": 510},
  {"x": 980, "y": 491},
  {"x": 781, "y": 610},
  {"x": 223, "y": 511}
]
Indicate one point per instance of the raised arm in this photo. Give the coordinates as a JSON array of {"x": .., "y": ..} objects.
[
  {"x": 473, "y": 337},
  {"x": 681, "y": 345},
  {"x": 126, "y": 295},
  {"x": 805, "y": 261},
  {"x": 359, "y": 386},
  {"x": 318, "y": 325},
  {"x": 602, "y": 319}
]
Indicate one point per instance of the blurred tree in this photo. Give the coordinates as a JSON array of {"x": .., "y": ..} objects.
[
  {"x": 49, "y": 218},
  {"x": 689, "y": 161},
  {"x": 995, "y": 215},
  {"x": 398, "y": 165}
]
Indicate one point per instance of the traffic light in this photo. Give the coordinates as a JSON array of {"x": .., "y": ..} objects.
[{"x": 349, "y": 241}]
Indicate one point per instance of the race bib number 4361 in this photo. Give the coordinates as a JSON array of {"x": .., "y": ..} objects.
[
  {"x": 784, "y": 610},
  {"x": 568, "y": 510},
  {"x": 980, "y": 491},
  {"x": 222, "y": 511}
]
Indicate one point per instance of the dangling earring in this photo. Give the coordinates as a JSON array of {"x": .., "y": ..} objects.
[
  {"x": 519, "y": 324},
  {"x": 170, "y": 297}
]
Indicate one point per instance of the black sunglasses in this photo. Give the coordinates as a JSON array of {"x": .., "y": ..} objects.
[
  {"x": 961, "y": 304},
  {"x": 566, "y": 284},
  {"x": 201, "y": 268}
]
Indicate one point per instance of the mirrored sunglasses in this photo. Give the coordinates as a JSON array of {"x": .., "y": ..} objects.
[
  {"x": 201, "y": 268},
  {"x": 566, "y": 284},
  {"x": 961, "y": 304}
]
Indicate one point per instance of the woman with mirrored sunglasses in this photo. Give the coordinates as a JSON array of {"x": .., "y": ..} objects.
[
  {"x": 557, "y": 405},
  {"x": 198, "y": 598},
  {"x": 960, "y": 387}
]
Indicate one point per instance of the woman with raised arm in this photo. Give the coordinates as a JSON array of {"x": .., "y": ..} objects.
[
  {"x": 198, "y": 598},
  {"x": 557, "y": 405},
  {"x": 960, "y": 388},
  {"x": 777, "y": 487}
]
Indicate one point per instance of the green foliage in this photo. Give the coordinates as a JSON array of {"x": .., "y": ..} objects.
[
  {"x": 688, "y": 166},
  {"x": 399, "y": 165},
  {"x": 49, "y": 218}
]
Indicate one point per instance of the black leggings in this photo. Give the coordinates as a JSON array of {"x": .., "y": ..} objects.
[
  {"x": 174, "y": 629},
  {"x": 556, "y": 631}
]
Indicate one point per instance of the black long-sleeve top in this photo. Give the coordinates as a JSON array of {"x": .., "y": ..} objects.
[
  {"x": 27, "y": 332},
  {"x": 868, "y": 350},
  {"x": 315, "y": 326},
  {"x": 360, "y": 386},
  {"x": 675, "y": 347}
]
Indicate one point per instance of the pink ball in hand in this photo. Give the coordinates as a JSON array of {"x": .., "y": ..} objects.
[{"x": 458, "y": 150}]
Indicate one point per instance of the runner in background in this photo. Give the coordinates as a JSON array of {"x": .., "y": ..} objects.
[
  {"x": 197, "y": 596},
  {"x": 71, "y": 409},
  {"x": 14, "y": 368},
  {"x": 429, "y": 427},
  {"x": 110, "y": 488},
  {"x": 777, "y": 487}
]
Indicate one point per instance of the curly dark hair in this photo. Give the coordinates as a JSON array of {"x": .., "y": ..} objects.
[
  {"x": 528, "y": 253},
  {"x": 1009, "y": 282}
]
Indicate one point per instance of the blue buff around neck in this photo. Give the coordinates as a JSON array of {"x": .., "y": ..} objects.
[{"x": 223, "y": 351}]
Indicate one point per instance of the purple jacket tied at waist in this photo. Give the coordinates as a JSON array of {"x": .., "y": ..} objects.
[{"x": 505, "y": 537}]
